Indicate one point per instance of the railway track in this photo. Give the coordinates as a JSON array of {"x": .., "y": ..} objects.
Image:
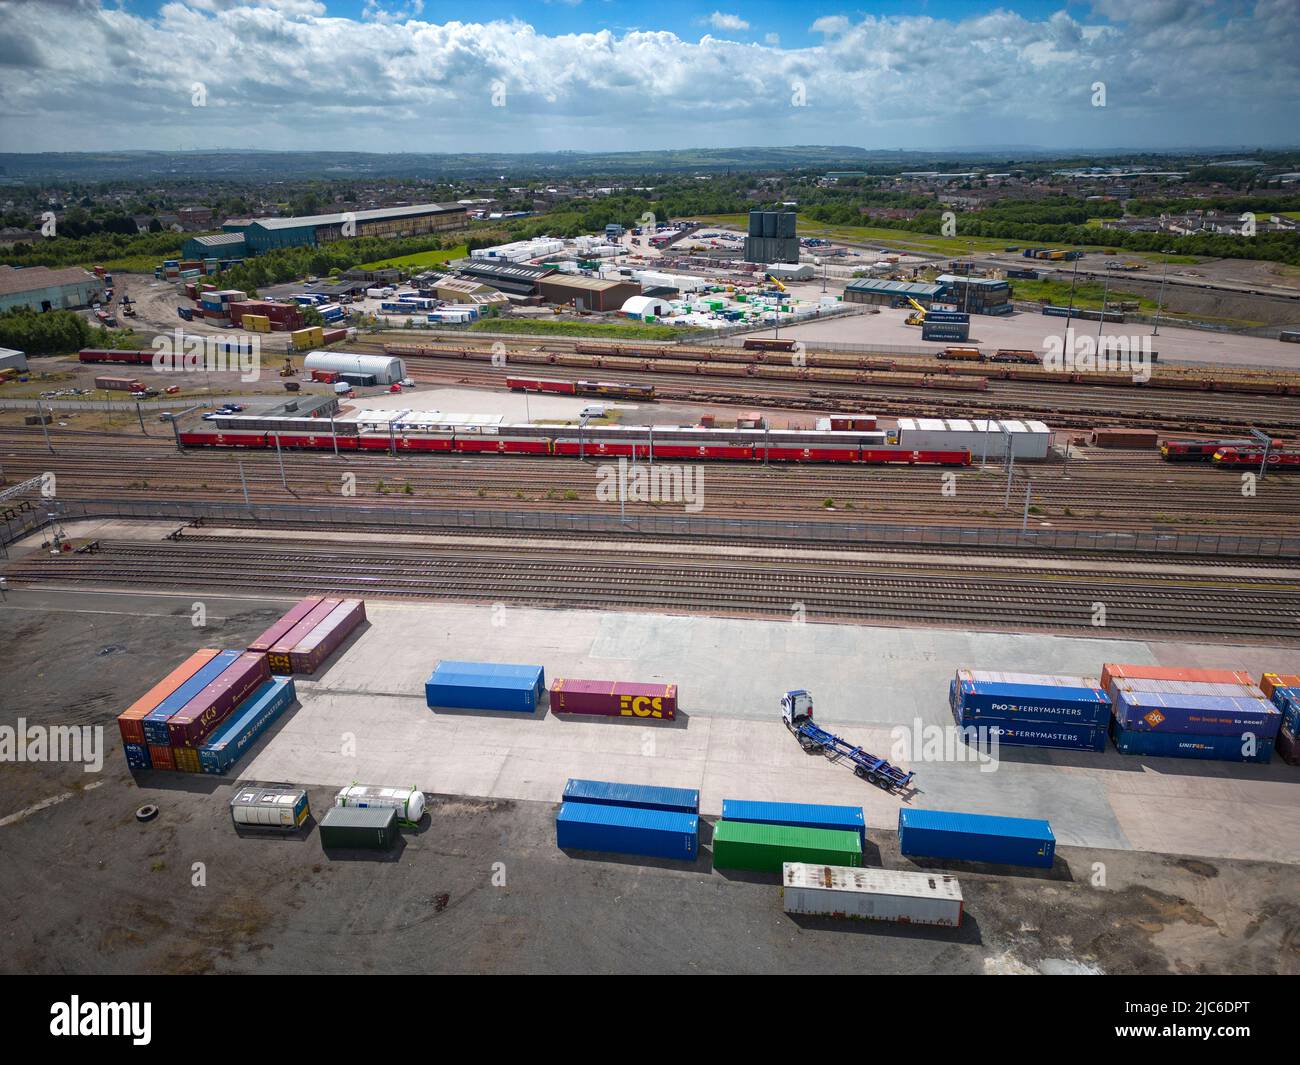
[{"x": 812, "y": 589}]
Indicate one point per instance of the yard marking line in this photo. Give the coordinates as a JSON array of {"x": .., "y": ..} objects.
[{"x": 45, "y": 804}]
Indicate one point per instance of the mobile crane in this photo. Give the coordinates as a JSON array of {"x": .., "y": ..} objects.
[
  {"x": 797, "y": 712},
  {"x": 917, "y": 317}
]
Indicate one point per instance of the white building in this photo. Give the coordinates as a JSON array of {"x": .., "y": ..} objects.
[
  {"x": 1029, "y": 440},
  {"x": 387, "y": 370}
]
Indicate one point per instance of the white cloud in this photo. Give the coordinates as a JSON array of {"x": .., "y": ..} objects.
[
  {"x": 720, "y": 21},
  {"x": 282, "y": 74}
]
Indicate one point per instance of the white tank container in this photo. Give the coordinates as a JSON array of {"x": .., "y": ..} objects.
[
  {"x": 872, "y": 894},
  {"x": 408, "y": 802}
]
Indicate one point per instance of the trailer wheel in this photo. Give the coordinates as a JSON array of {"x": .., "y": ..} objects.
[{"x": 147, "y": 812}]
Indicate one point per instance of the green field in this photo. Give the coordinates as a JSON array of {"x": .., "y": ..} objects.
[
  {"x": 925, "y": 243},
  {"x": 420, "y": 260},
  {"x": 605, "y": 330}
]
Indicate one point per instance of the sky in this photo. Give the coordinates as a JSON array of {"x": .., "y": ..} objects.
[{"x": 608, "y": 75}]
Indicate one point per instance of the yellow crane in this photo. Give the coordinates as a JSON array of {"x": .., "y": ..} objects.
[
  {"x": 917, "y": 317},
  {"x": 777, "y": 282}
]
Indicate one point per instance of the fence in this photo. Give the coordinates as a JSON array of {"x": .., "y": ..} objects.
[{"x": 841, "y": 533}]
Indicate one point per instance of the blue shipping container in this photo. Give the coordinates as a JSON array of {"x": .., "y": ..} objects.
[
  {"x": 1200, "y": 715},
  {"x": 1015, "y": 732},
  {"x": 638, "y": 796},
  {"x": 1239, "y": 748},
  {"x": 976, "y": 837},
  {"x": 972, "y": 699},
  {"x": 155, "y": 725},
  {"x": 137, "y": 756},
  {"x": 485, "y": 686},
  {"x": 250, "y": 719},
  {"x": 798, "y": 815},
  {"x": 625, "y": 830},
  {"x": 1287, "y": 700}
]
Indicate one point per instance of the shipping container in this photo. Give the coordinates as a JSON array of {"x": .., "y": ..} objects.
[
  {"x": 186, "y": 759},
  {"x": 1041, "y": 680},
  {"x": 1057, "y": 735},
  {"x": 766, "y": 848},
  {"x": 1114, "y": 670},
  {"x": 1288, "y": 746},
  {"x": 485, "y": 686},
  {"x": 281, "y": 809},
  {"x": 614, "y": 698},
  {"x": 160, "y": 756},
  {"x": 407, "y": 802},
  {"x": 131, "y": 721},
  {"x": 137, "y": 756},
  {"x": 872, "y": 894},
  {"x": 285, "y": 625},
  {"x": 637, "y": 796},
  {"x": 976, "y": 838},
  {"x": 798, "y": 815},
  {"x": 1287, "y": 700},
  {"x": 228, "y": 743},
  {"x": 588, "y": 826},
  {"x": 972, "y": 701},
  {"x": 119, "y": 384},
  {"x": 1183, "y": 687},
  {"x": 190, "y": 725},
  {"x": 349, "y": 828},
  {"x": 325, "y": 638},
  {"x": 1269, "y": 681},
  {"x": 278, "y": 656},
  {"x": 1249, "y": 747},
  {"x": 155, "y": 723},
  {"x": 1213, "y": 715}
]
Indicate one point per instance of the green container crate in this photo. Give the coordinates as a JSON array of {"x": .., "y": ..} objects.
[{"x": 764, "y": 848}]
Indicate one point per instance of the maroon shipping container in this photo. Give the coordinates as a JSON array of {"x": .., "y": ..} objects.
[
  {"x": 278, "y": 655},
  {"x": 281, "y": 628},
  {"x": 120, "y": 384},
  {"x": 325, "y": 638},
  {"x": 190, "y": 725},
  {"x": 1287, "y": 747},
  {"x": 614, "y": 698},
  {"x": 333, "y": 335}
]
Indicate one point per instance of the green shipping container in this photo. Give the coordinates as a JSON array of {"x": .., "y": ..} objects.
[
  {"x": 359, "y": 827},
  {"x": 764, "y": 848}
]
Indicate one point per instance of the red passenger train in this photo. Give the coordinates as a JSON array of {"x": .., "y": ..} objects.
[{"x": 633, "y": 442}]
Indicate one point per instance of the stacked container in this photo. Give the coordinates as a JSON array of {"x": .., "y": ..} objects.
[
  {"x": 156, "y": 735},
  {"x": 285, "y": 624},
  {"x": 131, "y": 721},
  {"x": 1031, "y": 709},
  {"x": 1190, "y": 713},
  {"x": 798, "y": 815},
  {"x": 233, "y": 737},
  {"x": 1284, "y": 690},
  {"x": 614, "y": 698},
  {"x": 191, "y": 724},
  {"x": 305, "y": 646}
]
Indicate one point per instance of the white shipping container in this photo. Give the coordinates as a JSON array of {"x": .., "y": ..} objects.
[
  {"x": 1042, "y": 680},
  {"x": 872, "y": 894}
]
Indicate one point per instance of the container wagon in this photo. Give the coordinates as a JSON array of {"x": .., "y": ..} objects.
[
  {"x": 872, "y": 894},
  {"x": 976, "y": 838},
  {"x": 280, "y": 809}
]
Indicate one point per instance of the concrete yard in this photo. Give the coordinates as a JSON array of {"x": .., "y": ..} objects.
[{"x": 1162, "y": 866}]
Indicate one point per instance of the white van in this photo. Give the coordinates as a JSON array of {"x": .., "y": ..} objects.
[{"x": 593, "y": 410}]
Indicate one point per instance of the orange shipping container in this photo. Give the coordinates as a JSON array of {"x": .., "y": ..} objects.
[
  {"x": 1269, "y": 681},
  {"x": 131, "y": 721},
  {"x": 161, "y": 757},
  {"x": 1205, "y": 676}
]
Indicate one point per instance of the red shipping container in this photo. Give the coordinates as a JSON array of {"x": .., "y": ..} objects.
[
  {"x": 287, "y": 621},
  {"x": 325, "y": 638},
  {"x": 614, "y": 698},
  {"x": 1137, "y": 672},
  {"x": 130, "y": 722},
  {"x": 332, "y": 336},
  {"x": 278, "y": 655},
  {"x": 161, "y": 757},
  {"x": 192, "y": 722},
  {"x": 1269, "y": 681}
]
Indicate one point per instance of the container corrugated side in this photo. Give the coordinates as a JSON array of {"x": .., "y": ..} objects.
[
  {"x": 160, "y": 756},
  {"x": 766, "y": 848},
  {"x": 1184, "y": 687},
  {"x": 1038, "y": 680},
  {"x": 186, "y": 759},
  {"x": 130, "y": 722},
  {"x": 1223, "y": 748},
  {"x": 229, "y": 741},
  {"x": 872, "y": 894},
  {"x": 285, "y": 624},
  {"x": 798, "y": 815},
  {"x": 967, "y": 837},
  {"x": 278, "y": 655},
  {"x": 1113, "y": 670},
  {"x": 326, "y": 637},
  {"x": 1056, "y": 735},
  {"x": 191, "y": 724},
  {"x": 639, "y": 796},
  {"x": 1287, "y": 700},
  {"x": 485, "y": 686},
  {"x": 1214, "y": 715},
  {"x": 155, "y": 724},
  {"x": 1269, "y": 681},
  {"x": 975, "y": 699},
  {"x": 627, "y": 830},
  {"x": 614, "y": 698}
]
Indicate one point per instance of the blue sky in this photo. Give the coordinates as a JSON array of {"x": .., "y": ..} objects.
[{"x": 392, "y": 75}]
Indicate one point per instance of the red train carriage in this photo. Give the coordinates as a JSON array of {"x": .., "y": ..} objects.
[
  {"x": 895, "y": 455},
  {"x": 540, "y": 384},
  {"x": 1250, "y": 458},
  {"x": 1197, "y": 450},
  {"x": 115, "y": 355}
]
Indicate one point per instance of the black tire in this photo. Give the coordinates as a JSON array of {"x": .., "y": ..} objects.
[{"x": 147, "y": 812}]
